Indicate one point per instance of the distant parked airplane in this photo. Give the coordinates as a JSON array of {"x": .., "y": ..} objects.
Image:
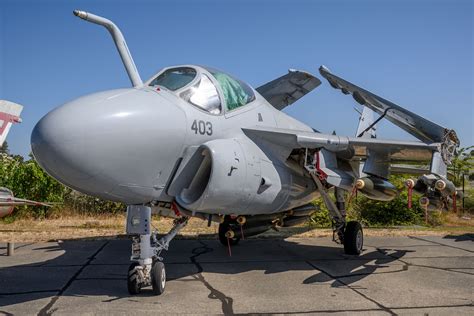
[{"x": 9, "y": 114}]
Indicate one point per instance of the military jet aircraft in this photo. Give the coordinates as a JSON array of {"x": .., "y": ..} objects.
[{"x": 196, "y": 141}]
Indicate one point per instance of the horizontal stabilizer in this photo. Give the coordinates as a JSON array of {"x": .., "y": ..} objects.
[
  {"x": 421, "y": 128},
  {"x": 287, "y": 89}
]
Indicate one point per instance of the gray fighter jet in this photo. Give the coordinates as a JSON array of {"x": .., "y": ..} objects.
[{"x": 196, "y": 141}]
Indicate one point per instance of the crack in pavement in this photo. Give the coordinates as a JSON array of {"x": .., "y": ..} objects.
[
  {"x": 408, "y": 264},
  {"x": 380, "y": 305},
  {"x": 227, "y": 301},
  {"x": 434, "y": 306},
  {"x": 46, "y": 310},
  {"x": 439, "y": 243}
]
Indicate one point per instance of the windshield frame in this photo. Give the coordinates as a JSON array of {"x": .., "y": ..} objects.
[
  {"x": 200, "y": 70},
  {"x": 195, "y": 79}
]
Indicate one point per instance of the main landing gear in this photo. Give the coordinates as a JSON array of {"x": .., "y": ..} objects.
[
  {"x": 226, "y": 231},
  {"x": 353, "y": 238},
  {"x": 349, "y": 234},
  {"x": 147, "y": 266}
]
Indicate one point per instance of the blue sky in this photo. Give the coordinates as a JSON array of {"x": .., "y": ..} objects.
[{"x": 418, "y": 54}]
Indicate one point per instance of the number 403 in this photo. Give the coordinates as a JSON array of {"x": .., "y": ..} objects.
[{"x": 201, "y": 127}]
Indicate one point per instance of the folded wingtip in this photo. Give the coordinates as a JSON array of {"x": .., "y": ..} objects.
[{"x": 323, "y": 69}]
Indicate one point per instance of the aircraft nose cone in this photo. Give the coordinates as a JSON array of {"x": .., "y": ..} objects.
[
  {"x": 59, "y": 144},
  {"x": 116, "y": 145}
]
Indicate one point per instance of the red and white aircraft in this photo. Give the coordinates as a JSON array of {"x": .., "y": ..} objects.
[{"x": 9, "y": 114}]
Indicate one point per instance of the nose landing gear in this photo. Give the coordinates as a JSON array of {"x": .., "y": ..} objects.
[{"x": 147, "y": 267}]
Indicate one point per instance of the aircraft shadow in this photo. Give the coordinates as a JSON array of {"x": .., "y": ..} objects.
[
  {"x": 86, "y": 260},
  {"x": 463, "y": 237}
]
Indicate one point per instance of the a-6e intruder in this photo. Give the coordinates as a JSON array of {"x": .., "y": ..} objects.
[{"x": 195, "y": 141}]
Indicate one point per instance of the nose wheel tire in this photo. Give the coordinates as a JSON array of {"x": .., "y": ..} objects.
[
  {"x": 133, "y": 283},
  {"x": 158, "y": 277},
  {"x": 353, "y": 238},
  {"x": 223, "y": 229}
]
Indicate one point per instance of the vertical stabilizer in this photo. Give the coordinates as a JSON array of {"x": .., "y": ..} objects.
[
  {"x": 9, "y": 114},
  {"x": 366, "y": 120},
  {"x": 365, "y": 129}
]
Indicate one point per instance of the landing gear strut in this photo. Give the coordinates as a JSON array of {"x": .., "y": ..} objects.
[
  {"x": 147, "y": 267},
  {"x": 347, "y": 233}
]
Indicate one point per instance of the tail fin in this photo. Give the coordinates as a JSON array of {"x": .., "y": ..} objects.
[
  {"x": 9, "y": 114},
  {"x": 366, "y": 128}
]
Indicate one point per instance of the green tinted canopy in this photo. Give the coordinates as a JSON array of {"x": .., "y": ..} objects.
[{"x": 236, "y": 93}]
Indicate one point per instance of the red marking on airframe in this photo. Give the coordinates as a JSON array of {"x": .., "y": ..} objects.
[
  {"x": 7, "y": 118},
  {"x": 175, "y": 209},
  {"x": 322, "y": 174}
]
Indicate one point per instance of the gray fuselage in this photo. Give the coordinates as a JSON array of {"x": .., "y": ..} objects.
[{"x": 126, "y": 145}]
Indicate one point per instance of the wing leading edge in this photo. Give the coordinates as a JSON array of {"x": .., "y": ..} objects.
[{"x": 286, "y": 140}]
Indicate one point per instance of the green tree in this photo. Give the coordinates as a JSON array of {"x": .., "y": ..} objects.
[
  {"x": 4, "y": 148},
  {"x": 377, "y": 213},
  {"x": 462, "y": 164},
  {"x": 27, "y": 180}
]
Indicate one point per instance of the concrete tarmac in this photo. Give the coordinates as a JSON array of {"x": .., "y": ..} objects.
[{"x": 394, "y": 275}]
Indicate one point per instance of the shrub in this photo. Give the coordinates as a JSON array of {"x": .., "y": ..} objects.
[
  {"x": 377, "y": 213},
  {"x": 320, "y": 218},
  {"x": 88, "y": 205},
  {"x": 28, "y": 180},
  {"x": 469, "y": 200}
]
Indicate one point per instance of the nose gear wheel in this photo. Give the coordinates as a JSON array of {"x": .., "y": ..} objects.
[{"x": 147, "y": 267}]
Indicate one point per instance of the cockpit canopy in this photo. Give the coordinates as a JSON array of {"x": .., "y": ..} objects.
[{"x": 207, "y": 88}]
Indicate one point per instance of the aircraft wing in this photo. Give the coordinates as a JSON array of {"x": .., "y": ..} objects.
[
  {"x": 412, "y": 123},
  {"x": 8, "y": 202},
  {"x": 13, "y": 201},
  {"x": 284, "y": 141},
  {"x": 287, "y": 89}
]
